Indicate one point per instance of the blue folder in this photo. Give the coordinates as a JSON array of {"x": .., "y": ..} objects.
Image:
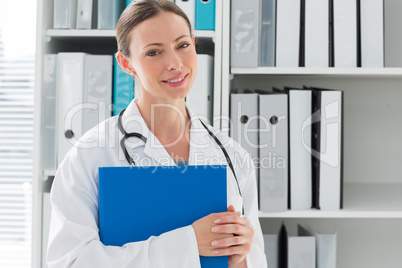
[
  {"x": 180, "y": 195},
  {"x": 205, "y": 14},
  {"x": 123, "y": 88}
]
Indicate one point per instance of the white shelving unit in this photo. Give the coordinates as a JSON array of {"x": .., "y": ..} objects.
[
  {"x": 106, "y": 33},
  {"x": 353, "y": 72},
  {"x": 369, "y": 225},
  {"x": 92, "y": 41}
]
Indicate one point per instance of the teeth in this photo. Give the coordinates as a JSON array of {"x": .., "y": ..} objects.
[{"x": 176, "y": 80}]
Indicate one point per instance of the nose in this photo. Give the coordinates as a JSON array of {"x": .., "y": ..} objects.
[{"x": 174, "y": 61}]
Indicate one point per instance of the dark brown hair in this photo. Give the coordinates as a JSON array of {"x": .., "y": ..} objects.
[{"x": 139, "y": 11}]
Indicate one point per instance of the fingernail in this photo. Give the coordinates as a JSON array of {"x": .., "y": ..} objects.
[
  {"x": 215, "y": 229},
  {"x": 214, "y": 243},
  {"x": 238, "y": 213},
  {"x": 215, "y": 251},
  {"x": 217, "y": 221}
]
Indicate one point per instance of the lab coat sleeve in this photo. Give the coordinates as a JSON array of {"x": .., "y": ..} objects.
[
  {"x": 74, "y": 232},
  {"x": 256, "y": 258}
]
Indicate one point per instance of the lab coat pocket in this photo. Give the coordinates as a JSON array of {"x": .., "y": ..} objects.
[{"x": 236, "y": 201}]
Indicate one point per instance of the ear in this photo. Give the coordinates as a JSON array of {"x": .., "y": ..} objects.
[
  {"x": 124, "y": 63},
  {"x": 193, "y": 37}
]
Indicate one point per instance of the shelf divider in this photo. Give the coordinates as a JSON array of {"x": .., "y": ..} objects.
[{"x": 361, "y": 200}]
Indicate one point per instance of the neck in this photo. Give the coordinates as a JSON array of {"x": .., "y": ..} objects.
[{"x": 165, "y": 118}]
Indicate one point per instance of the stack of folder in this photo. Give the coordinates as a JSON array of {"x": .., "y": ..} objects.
[
  {"x": 80, "y": 88},
  {"x": 307, "y": 249},
  {"x": 307, "y": 33},
  {"x": 295, "y": 137},
  {"x": 201, "y": 13},
  {"x": 87, "y": 14}
]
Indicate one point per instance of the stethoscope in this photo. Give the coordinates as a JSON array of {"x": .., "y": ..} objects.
[{"x": 144, "y": 139}]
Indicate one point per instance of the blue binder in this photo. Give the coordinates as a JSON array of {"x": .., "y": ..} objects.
[
  {"x": 180, "y": 194},
  {"x": 123, "y": 88},
  {"x": 205, "y": 15}
]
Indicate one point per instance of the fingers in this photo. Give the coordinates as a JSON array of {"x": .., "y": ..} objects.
[
  {"x": 230, "y": 241},
  {"x": 227, "y": 218},
  {"x": 231, "y": 208},
  {"x": 236, "y": 229}
]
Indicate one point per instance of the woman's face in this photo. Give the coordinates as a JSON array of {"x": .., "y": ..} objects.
[{"x": 163, "y": 56}]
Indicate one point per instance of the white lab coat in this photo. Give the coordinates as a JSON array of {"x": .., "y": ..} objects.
[{"x": 74, "y": 230}]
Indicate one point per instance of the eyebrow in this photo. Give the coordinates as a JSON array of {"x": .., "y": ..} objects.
[{"x": 160, "y": 44}]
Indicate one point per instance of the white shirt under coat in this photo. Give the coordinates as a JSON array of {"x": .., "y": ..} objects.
[{"x": 74, "y": 230}]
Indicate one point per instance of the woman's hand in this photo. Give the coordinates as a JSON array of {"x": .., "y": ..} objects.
[
  {"x": 205, "y": 236},
  {"x": 224, "y": 234}
]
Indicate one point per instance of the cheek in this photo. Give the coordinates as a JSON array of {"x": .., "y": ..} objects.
[
  {"x": 192, "y": 62},
  {"x": 146, "y": 72}
]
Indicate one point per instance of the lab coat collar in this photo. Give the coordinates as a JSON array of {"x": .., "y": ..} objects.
[{"x": 200, "y": 140}]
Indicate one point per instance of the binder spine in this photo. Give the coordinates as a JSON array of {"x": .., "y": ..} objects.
[
  {"x": 205, "y": 15},
  {"x": 267, "y": 33},
  {"x": 358, "y": 34},
  {"x": 302, "y": 39},
  {"x": 49, "y": 97},
  {"x": 331, "y": 34},
  {"x": 123, "y": 88},
  {"x": 315, "y": 145},
  {"x": 245, "y": 33}
]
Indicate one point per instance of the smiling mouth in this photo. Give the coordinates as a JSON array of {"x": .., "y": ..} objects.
[{"x": 177, "y": 80}]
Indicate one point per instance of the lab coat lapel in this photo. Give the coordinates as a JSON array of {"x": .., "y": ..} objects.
[
  {"x": 134, "y": 122},
  {"x": 202, "y": 147}
]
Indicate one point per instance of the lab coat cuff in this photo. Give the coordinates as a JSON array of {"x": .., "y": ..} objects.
[{"x": 184, "y": 246}]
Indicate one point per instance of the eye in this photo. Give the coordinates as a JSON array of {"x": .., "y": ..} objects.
[
  {"x": 184, "y": 45},
  {"x": 153, "y": 53}
]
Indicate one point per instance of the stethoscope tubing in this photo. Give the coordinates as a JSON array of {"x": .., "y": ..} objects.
[{"x": 144, "y": 139}]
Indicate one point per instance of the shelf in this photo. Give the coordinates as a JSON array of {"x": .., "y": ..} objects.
[
  {"x": 49, "y": 173},
  {"x": 106, "y": 33},
  {"x": 377, "y": 201},
  {"x": 319, "y": 71}
]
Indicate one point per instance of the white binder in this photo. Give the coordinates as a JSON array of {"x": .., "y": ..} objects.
[
  {"x": 85, "y": 14},
  {"x": 345, "y": 33},
  {"x": 273, "y": 152},
  {"x": 188, "y": 6},
  {"x": 97, "y": 89},
  {"x": 48, "y": 137},
  {"x": 244, "y": 119},
  {"x": 316, "y": 49},
  {"x": 267, "y": 33},
  {"x": 372, "y": 33},
  {"x": 109, "y": 12},
  {"x": 84, "y": 89},
  {"x": 287, "y": 33},
  {"x": 70, "y": 87},
  {"x": 245, "y": 20},
  {"x": 301, "y": 251},
  {"x": 64, "y": 14},
  {"x": 325, "y": 246},
  {"x": 300, "y": 162},
  {"x": 200, "y": 97},
  {"x": 271, "y": 248},
  {"x": 327, "y": 150}
]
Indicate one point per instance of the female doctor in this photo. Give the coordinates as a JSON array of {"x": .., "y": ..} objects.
[{"x": 155, "y": 44}]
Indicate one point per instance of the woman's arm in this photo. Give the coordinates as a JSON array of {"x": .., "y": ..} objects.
[{"x": 74, "y": 233}]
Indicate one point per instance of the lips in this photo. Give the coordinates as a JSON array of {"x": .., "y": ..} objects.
[{"x": 176, "y": 81}]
